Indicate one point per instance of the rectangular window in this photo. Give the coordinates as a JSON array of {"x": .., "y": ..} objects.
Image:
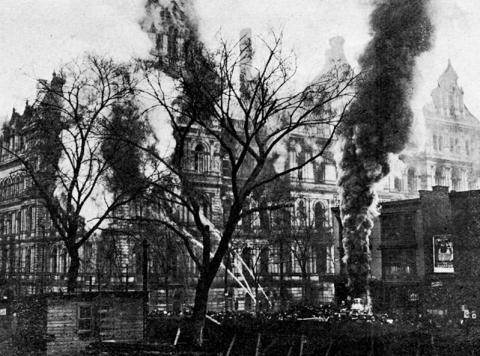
[
  {"x": 98, "y": 319},
  {"x": 274, "y": 264},
  {"x": 398, "y": 264},
  {"x": 105, "y": 321},
  {"x": 85, "y": 319}
]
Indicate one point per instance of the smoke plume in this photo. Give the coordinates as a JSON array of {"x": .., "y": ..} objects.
[{"x": 378, "y": 124}]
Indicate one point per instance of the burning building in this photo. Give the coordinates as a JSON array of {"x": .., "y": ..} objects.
[{"x": 279, "y": 252}]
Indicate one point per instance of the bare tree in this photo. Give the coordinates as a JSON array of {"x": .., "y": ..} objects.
[
  {"x": 63, "y": 150},
  {"x": 309, "y": 240},
  {"x": 247, "y": 110}
]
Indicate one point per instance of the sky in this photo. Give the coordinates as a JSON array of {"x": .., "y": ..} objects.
[{"x": 38, "y": 36}]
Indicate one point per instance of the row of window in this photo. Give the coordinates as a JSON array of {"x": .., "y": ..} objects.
[
  {"x": 399, "y": 264},
  {"x": 301, "y": 215},
  {"x": 454, "y": 178},
  {"x": 19, "y": 221},
  {"x": 12, "y": 187},
  {"x": 398, "y": 185},
  {"x": 13, "y": 144},
  {"x": 312, "y": 172},
  {"x": 171, "y": 44},
  {"x": 269, "y": 260},
  {"x": 452, "y": 145},
  {"x": 249, "y": 261},
  {"x": 28, "y": 259}
]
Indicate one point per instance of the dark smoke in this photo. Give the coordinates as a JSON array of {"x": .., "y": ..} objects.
[{"x": 378, "y": 124}]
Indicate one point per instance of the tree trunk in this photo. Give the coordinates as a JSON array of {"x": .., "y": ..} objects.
[
  {"x": 305, "y": 287},
  {"x": 200, "y": 307},
  {"x": 73, "y": 270}
]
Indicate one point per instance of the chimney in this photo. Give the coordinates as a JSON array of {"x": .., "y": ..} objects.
[
  {"x": 334, "y": 58},
  {"x": 56, "y": 85},
  {"x": 335, "y": 55},
  {"x": 246, "y": 54}
]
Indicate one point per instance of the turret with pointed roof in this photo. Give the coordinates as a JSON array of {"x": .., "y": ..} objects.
[{"x": 448, "y": 99}]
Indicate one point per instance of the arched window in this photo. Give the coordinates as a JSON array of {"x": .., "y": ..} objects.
[
  {"x": 411, "y": 180},
  {"x": 20, "y": 185},
  {"x": 200, "y": 159},
  {"x": 435, "y": 143},
  {"x": 18, "y": 223},
  {"x": 320, "y": 216},
  {"x": 28, "y": 222},
  {"x": 11, "y": 223},
  {"x": 440, "y": 143},
  {"x": 8, "y": 188}
]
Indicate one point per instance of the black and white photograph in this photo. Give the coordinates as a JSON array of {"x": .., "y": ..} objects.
[{"x": 230, "y": 178}]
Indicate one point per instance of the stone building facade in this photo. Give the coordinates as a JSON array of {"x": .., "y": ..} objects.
[
  {"x": 450, "y": 152},
  {"x": 32, "y": 258},
  {"x": 284, "y": 265}
]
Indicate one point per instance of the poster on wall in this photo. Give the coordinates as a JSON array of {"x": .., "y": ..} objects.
[{"x": 442, "y": 254}]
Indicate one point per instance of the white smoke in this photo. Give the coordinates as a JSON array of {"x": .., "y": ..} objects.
[
  {"x": 307, "y": 25},
  {"x": 158, "y": 87},
  {"x": 456, "y": 25},
  {"x": 37, "y": 36}
]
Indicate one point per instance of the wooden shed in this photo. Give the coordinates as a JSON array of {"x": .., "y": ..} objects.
[{"x": 64, "y": 324}]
